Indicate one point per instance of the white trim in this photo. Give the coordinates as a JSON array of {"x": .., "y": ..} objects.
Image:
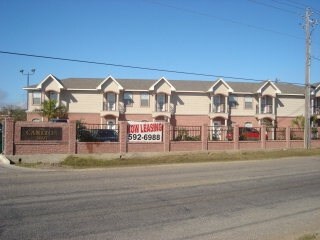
[
  {"x": 291, "y": 94},
  {"x": 82, "y": 89},
  {"x": 106, "y": 79},
  {"x": 220, "y": 80},
  {"x": 163, "y": 78},
  {"x": 39, "y": 86},
  {"x": 272, "y": 84},
  {"x": 29, "y": 88}
]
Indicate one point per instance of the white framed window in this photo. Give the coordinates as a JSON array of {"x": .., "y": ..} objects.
[
  {"x": 161, "y": 102},
  {"x": 248, "y": 102},
  {"x": 36, "y": 98},
  {"x": 233, "y": 101},
  {"x": 248, "y": 124},
  {"x": 53, "y": 96},
  {"x": 144, "y": 99},
  {"x": 111, "y": 101},
  {"x": 127, "y": 99}
]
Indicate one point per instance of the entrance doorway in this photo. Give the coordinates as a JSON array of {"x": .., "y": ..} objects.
[
  {"x": 216, "y": 130},
  {"x": 111, "y": 124}
]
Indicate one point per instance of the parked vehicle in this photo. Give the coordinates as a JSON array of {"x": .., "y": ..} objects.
[
  {"x": 249, "y": 134},
  {"x": 58, "y": 120},
  {"x": 246, "y": 134},
  {"x": 98, "y": 135},
  {"x": 105, "y": 135}
]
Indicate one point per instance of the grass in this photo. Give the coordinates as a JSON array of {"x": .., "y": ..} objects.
[
  {"x": 310, "y": 237},
  {"x": 74, "y": 161},
  {"x": 80, "y": 162}
]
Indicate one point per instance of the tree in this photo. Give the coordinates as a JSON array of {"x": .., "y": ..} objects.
[
  {"x": 50, "y": 110},
  {"x": 17, "y": 113},
  {"x": 298, "y": 122}
]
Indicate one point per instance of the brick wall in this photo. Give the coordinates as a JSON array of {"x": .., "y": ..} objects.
[{"x": 14, "y": 145}]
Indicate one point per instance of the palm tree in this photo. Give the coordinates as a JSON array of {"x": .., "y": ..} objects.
[
  {"x": 50, "y": 110},
  {"x": 298, "y": 122}
]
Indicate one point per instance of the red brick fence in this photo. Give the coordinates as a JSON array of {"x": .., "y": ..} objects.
[{"x": 27, "y": 138}]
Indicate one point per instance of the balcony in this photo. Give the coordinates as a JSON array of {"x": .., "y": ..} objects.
[
  {"x": 266, "y": 111},
  {"x": 112, "y": 109},
  {"x": 218, "y": 110},
  {"x": 163, "y": 110}
]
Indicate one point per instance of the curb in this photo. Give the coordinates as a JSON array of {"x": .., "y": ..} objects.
[{"x": 4, "y": 160}]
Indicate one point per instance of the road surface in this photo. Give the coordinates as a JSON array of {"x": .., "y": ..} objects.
[{"x": 272, "y": 199}]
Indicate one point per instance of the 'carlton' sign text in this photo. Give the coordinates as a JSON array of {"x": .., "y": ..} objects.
[{"x": 41, "y": 133}]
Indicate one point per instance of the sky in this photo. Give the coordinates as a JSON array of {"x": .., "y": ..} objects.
[{"x": 241, "y": 39}]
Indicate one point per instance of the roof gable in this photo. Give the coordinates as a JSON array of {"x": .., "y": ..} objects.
[
  {"x": 110, "y": 78},
  {"x": 172, "y": 88},
  {"x": 265, "y": 85},
  {"x": 48, "y": 78},
  {"x": 220, "y": 81}
]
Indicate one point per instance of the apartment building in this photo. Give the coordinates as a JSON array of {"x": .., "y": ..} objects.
[{"x": 180, "y": 102}]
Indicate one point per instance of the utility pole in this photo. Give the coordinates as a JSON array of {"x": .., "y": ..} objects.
[{"x": 309, "y": 23}]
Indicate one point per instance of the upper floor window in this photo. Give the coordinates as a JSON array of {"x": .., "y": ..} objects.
[
  {"x": 53, "y": 96},
  {"x": 233, "y": 101},
  {"x": 127, "y": 99},
  {"x": 144, "y": 99},
  {"x": 36, "y": 98},
  {"x": 218, "y": 103},
  {"x": 111, "y": 101},
  {"x": 248, "y": 102},
  {"x": 161, "y": 102}
]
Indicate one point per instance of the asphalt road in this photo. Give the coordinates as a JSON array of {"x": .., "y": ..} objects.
[{"x": 273, "y": 199}]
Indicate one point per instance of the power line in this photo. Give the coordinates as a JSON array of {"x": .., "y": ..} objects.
[
  {"x": 222, "y": 19},
  {"x": 290, "y": 4},
  {"x": 275, "y": 7},
  {"x": 136, "y": 67}
]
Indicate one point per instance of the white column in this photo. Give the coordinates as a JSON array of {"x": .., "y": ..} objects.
[
  {"x": 273, "y": 105},
  {"x": 226, "y": 122},
  {"x": 211, "y": 103},
  {"x": 117, "y": 104},
  {"x": 226, "y": 105},
  {"x": 259, "y": 107},
  {"x": 169, "y": 101}
]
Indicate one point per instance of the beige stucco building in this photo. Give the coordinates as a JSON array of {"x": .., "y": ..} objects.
[{"x": 217, "y": 103}]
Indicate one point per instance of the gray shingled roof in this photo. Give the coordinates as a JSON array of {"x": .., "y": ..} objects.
[{"x": 180, "y": 85}]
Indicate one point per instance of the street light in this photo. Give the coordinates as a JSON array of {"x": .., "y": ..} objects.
[{"x": 28, "y": 74}]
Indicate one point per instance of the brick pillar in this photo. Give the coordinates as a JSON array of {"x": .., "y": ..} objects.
[
  {"x": 8, "y": 136},
  {"x": 288, "y": 137},
  {"x": 236, "y": 137},
  {"x": 166, "y": 137},
  {"x": 204, "y": 137},
  {"x": 263, "y": 136},
  {"x": 123, "y": 136},
  {"x": 73, "y": 137}
]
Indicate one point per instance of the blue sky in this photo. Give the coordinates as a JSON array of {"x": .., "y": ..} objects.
[{"x": 258, "y": 39}]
